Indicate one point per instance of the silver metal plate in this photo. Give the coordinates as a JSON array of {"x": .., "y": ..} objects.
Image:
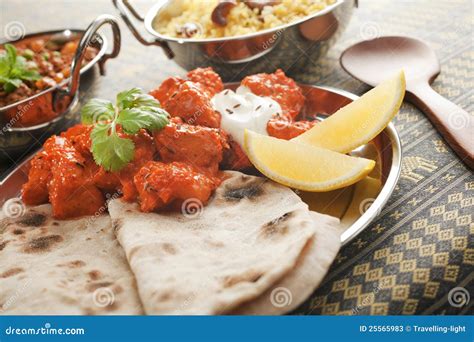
[{"x": 356, "y": 206}]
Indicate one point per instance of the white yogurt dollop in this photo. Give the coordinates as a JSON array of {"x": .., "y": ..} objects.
[{"x": 243, "y": 109}]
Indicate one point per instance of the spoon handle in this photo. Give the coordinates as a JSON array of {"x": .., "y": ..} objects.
[{"x": 454, "y": 123}]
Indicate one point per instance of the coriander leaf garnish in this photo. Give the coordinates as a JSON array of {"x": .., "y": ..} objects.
[
  {"x": 14, "y": 70},
  {"x": 110, "y": 150},
  {"x": 135, "y": 98},
  {"x": 97, "y": 110},
  {"x": 133, "y": 111},
  {"x": 150, "y": 118}
]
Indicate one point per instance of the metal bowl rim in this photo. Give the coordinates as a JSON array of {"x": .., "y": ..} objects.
[
  {"x": 153, "y": 12},
  {"x": 84, "y": 69}
]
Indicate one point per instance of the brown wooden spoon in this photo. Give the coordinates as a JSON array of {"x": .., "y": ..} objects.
[{"x": 372, "y": 61}]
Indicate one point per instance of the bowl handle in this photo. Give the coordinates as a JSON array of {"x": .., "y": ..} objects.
[
  {"x": 124, "y": 7},
  {"x": 86, "y": 40}
]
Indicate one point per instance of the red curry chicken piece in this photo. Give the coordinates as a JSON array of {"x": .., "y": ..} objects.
[
  {"x": 123, "y": 180},
  {"x": 289, "y": 96},
  {"x": 144, "y": 152},
  {"x": 166, "y": 89},
  {"x": 80, "y": 138},
  {"x": 191, "y": 99},
  {"x": 201, "y": 147},
  {"x": 285, "y": 128},
  {"x": 208, "y": 79},
  {"x": 235, "y": 157},
  {"x": 280, "y": 88},
  {"x": 192, "y": 103},
  {"x": 105, "y": 180},
  {"x": 70, "y": 190},
  {"x": 163, "y": 185},
  {"x": 35, "y": 191}
]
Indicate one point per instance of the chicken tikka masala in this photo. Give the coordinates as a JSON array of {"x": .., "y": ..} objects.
[{"x": 181, "y": 159}]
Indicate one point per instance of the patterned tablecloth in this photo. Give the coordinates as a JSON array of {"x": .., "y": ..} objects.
[{"x": 421, "y": 245}]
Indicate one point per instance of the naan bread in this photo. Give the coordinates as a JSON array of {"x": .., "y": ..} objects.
[
  {"x": 295, "y": 287},
  {"x": 249, "y": 236},
  {"x": 73, "y": 267}
]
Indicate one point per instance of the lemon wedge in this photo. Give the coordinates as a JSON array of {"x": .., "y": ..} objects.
[
  {"x": 361, "y": 120},
  {"x": 302, "y": 166}
]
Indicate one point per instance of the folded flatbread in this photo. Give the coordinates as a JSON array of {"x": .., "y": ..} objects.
[
  {"x": 231, "y": 251},
  {"x": 254, "y": 249},
  {"x": 312, "y": 265},
  {"x": 72, "y": 267}
]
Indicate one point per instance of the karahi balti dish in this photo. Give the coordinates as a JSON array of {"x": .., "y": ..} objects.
[
  {"x": 227, "y": 18},
  {"x": 34, "y": 65}
]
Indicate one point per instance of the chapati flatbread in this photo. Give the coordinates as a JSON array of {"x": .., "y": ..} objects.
[
  {"x": 249, "y": 236},
  {"x": 295, "y": 287},
  {"x": 71, "y": 267}
]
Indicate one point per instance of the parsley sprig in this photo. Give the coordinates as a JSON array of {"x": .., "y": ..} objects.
[
  {"x": 14, "y": 70},
  {"x": 133, "y": 111}
]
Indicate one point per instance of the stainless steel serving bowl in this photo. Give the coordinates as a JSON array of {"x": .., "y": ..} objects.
[
  {"x": 60, "y": 99},
  {"x": 291, "y": 47}
]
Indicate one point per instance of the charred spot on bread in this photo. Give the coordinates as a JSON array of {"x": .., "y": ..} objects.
[
  {"x": 18, "y": 231},
  {"x": 94, "y": 274},
  {"x": 278, "y": 226},
  {"x": 11, "y": 272},
  {"x": 247, "y": 277},
  {"x": 3, "y": 244},
  {"x": 43, "y": 243},
  {"x": 116, "y": 225},
  {"x": 250, "y": 190},
  {"x": 73, "y": 264},
  {"x": 31, "y": 219}
]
